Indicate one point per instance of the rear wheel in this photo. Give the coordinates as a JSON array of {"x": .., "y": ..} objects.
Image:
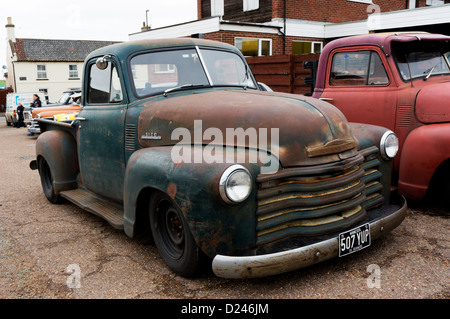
[
  {"x": 47, "y": 182},
  {"x": 172, "y": 236}
]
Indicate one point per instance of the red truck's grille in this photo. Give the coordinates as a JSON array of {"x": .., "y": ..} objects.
[{"x": 317, "y": 200}]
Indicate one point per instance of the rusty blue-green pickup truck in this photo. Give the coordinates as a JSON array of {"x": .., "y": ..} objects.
[{"x": 178, "y": 136}]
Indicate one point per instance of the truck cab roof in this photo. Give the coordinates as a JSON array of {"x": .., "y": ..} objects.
[{"x": 125, "y": 49}]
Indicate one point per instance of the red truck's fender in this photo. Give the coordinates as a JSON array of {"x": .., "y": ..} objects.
[{"x": 425, "y": 149}]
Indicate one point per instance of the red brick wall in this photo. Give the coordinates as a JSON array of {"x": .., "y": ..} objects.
[
  {"x": 199, "y": 9},
  {"x": 331, "y": 10},
  {"x": 277, "y": 41}
]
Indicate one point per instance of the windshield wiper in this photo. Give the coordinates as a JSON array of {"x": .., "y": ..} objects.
[
  {"x": 430, "y": 71},
  {"x": 184, "y": 86}
]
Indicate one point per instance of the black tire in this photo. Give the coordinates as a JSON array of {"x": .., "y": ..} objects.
[
  {"x": 173, "y": 238},
  {"x": 47, "y": 182},
  {"x": 7, "y": 123}
]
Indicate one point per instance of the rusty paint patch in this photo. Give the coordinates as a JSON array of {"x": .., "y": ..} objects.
[{"x": 172, "y": 190}]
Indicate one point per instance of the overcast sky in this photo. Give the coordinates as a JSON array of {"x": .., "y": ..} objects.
[{"x": 88, "y": 19}]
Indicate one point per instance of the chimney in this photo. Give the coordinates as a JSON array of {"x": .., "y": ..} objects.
[
  {"x": 145, "y": 27},
  {"x": 10, "y": 30}
]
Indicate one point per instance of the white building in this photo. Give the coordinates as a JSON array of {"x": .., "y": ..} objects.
[{"x": 48, "y": 66}]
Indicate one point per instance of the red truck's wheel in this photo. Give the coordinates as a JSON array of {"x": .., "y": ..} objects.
[
  {"x": 47, "y": 182},
  {"x": 172, "y": 236}
]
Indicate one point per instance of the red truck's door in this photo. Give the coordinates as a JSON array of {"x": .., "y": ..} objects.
[{"x": 360, "y": 83}]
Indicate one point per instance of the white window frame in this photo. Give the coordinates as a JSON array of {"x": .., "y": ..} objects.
[
  {"x": 312, "y": 44},
  {"x": 41, "y": 74},
  {"x": 259, "y": 43},
  {"x": 170, "y": 68},
  {"x": 44, "y": 92},
  {"x": 73, "y": 74},
  {"x": 362, "y": 1},
  {"x": 217, "y": 8},
  {"x": 250, "y": 5}
]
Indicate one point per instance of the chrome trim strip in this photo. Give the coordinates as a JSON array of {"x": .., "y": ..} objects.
[{"x": 204, "y": 65}]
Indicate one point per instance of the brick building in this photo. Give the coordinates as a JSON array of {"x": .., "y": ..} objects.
[{"x": 273, "y": 27}]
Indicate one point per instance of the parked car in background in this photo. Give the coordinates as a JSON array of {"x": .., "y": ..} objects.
[
  {"x": 51, "y": 111},
  {"x": 400, "y": 81},
  {"x": 66, "y": 98},
  {"x": 13, "y": 100}
]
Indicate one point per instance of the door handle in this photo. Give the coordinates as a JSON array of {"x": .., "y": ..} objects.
[
  {"x": 80, "y": 119},
  {"x": 326, "y": 99}
]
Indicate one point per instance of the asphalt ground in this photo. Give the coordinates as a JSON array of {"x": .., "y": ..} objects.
[{"x": 41, "y": 245}]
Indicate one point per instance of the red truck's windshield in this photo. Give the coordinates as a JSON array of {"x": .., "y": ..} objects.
[{"x": 422, "y": 59}]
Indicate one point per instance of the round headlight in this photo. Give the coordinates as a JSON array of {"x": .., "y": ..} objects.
[
  {"x": 389, "y": 145},
  {"x": 235, "y": 184}
]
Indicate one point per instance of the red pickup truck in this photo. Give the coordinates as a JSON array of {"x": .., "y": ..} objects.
[{"x": 400, "y": 81}]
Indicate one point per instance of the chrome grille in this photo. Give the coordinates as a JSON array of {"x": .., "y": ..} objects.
[{"x": 317, "y": 200}]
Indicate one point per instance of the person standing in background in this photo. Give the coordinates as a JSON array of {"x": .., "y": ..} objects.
[
  {"x": 36, "y": 101},
  {"x": 20, "y": 110}
]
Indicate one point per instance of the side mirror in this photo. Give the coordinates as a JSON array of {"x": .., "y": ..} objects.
[{"x": 102, "y": 63}]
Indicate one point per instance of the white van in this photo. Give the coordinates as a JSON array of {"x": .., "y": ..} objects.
[{"x": 13, "y": 100}]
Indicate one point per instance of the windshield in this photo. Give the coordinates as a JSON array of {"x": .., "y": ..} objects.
[
  {"x": 156, "y": 72},
  {"x": 421, "y": 59},
  {"x": 64, "y": 98}
]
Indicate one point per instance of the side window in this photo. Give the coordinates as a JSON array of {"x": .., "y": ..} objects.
[
  {"x": 104, "y": 85},
  {"x": 357, "y": 68}
]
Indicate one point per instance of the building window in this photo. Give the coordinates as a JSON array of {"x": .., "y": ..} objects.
[
  {"x": 41, "y": 71},
  {"x": 306, "y": 47},
  {"x": 164, "y": 68},
  {"x": 217, "y": 8},
  {"x": 250, "y": 5},
  {"x": 434, "y": 2},
  {"x": 362, "y": 1},
  {"x": 45, "y": 92},
  {"x": 254, "y": 47},
  {"x": 73, "y": 71}
]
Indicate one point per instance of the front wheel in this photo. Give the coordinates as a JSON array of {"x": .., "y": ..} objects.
[
  {"x": 173, "y": 238},
  {"x": 47, "y": 182}
]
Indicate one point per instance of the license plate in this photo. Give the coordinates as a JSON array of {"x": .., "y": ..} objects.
[{"x": 354, "y": 240}]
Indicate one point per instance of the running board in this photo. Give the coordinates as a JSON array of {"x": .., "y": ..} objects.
[{"x": 110, "y": 212}]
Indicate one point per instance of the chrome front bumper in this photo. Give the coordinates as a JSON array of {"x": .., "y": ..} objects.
[
  {"x": 34, "y": 128},
  {"x": 285, "y": 261}
]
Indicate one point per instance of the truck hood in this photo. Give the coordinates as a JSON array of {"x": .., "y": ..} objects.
[
  {"x": 310, "y": 131},
  {"x": 433, "y": 103}
]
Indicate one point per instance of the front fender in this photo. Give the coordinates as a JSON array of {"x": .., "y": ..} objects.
[
  {"x": 217, "y": 228},
  {"x": 424, "y": 150},
  {"x": 59, "y": 149}
]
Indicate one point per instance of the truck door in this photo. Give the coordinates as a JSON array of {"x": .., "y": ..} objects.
[
  {"x": 361, "y": 86},
  {"x": 101, "y": 132}
]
